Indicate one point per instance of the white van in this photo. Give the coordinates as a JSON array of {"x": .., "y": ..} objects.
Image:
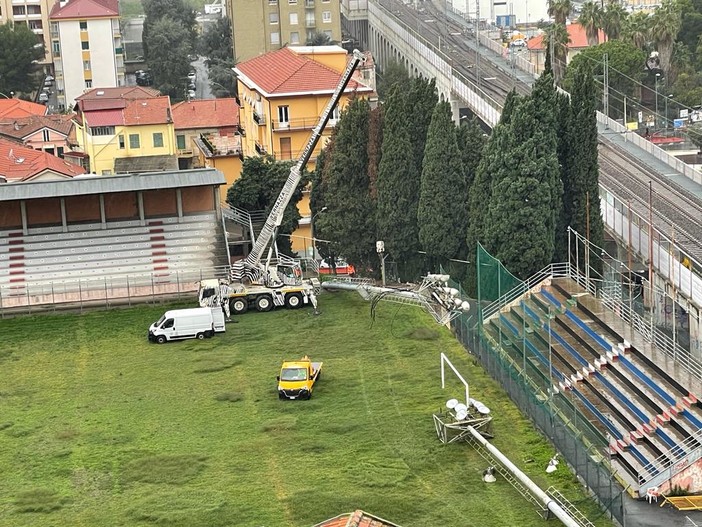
[{"x": 179, "y": 324}]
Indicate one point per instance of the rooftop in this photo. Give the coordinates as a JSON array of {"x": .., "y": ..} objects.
[
  {"x": 129, "y": 112},
  {"x": 206, "y": 113},
  {"x": 576, "y": 32},
  {"x": 19, "y": 163},
  {"x": 213, "y": 145},
  {"x": 85, "y": 9},
  {"x": 356, "y": 519},
  {"x": 18, "y": 108},
  {"x": 285, "y": 72},
  {"x": 21, "y": 127}
]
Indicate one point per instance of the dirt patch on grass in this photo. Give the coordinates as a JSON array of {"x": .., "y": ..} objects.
[
  {"x": 382, "y": 472},
  {"x": 214, "y": 363},
  {"x": 174, "y": 470},
  {"x": 39, "y": 500},
  {"x": 67, "y": 433},
  {"x": 422, "y": 333},
  {"x": 229, "y": 397},
  {"x": 281, "y": 424}
]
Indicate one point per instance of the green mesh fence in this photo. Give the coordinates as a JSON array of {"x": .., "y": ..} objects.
[{"x": 494, "y": 280}]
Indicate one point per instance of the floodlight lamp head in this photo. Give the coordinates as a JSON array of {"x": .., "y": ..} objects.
[
  {"x": 451, "y": 403},
  {"x": 380, "y": 246},
  {"x": 465, "y": 305}
]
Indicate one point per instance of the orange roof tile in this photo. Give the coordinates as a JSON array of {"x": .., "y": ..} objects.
[
  {"x": 285, "y": 72},
  {"x": 357, "y": 518},
  {"x": 85, "y": 9},
  {"x": 20, "y": 108},
  {"x": 19, "y": 163},
  {"x": 156, "y": 110},
  {"x": 206, "y": 113},
  {"x": 576, "y": 32}
]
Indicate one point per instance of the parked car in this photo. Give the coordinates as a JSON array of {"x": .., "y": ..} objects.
[
  {"x": 43, "y": 97},
  {"x": 192, "y": 76},
  {"x": 143, "y": 78},
  {"x": 518, "y": 43},
  {"x": 191, "y": 94}
]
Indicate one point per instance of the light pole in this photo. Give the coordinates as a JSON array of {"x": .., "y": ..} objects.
[
  {"x": 658, "y": 78},
  {"x": 380, "y": 249},
  {"x": 314, "y": 242},
  {"x": 666, "y": 110}
]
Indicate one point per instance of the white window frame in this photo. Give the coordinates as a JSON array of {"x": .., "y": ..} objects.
[
  {"x": 284, "y": 116},
  {"x": 294, "y": 20},
  {"x": 326, "y": 17},
  {"x": 275, "y": 38},
  {"x": 273, "y": 19},
  {"x": 296, "y": 39}
]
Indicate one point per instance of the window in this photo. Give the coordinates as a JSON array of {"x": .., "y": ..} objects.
[
  {"x": 86, "y": 65},
  {"x": 309, "y": 19},
  {"x": 18, "y": 10},
  {"x": 35, "y": 24},
  {"x": 54, "y": 27},
  {"x": 293, "y": 19},
  {"x": 273, "y": 18},
  {"x": 45, "y": 135},
  {"x": 102, "y": 130},
  {"x": 272, "y": 2},
  {"x": 158, "y": 140},
  {"x": 275, "y": 37},
  {"x": 89, "y": 83},
  {"x": 326, "y": 16},
  {"x": 292, "y": 2},
  {"x": 83, "y": 25},
  {"x": 85, "y": 44},
  {"x": 168, "y": 323},
  {"x": 294, "y": 37},
  {"x": 133, "y": 140},
  {"x": 180, "y": 142},
  {"x": 34, "y": 10},
  {"x": 56, "y": 47},
  {"x": 59, "y": 152},
  {"x": 284, "y": 115},
  {"x": 121, "y": 141}
]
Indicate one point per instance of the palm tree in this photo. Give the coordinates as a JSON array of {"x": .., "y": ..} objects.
[
  {"x": 556, "y": 39},
  {"x": 591, "y": 20},
  {"x": 559, "y": 10},
  {"x": 614, "y": 19},
  {"x": 319, "y": 39},
  {"x": 636, "y": 29},
  {"x": 665, "y": 25}
]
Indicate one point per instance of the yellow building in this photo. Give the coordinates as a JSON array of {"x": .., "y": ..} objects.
[
  {"x": 221, "y": 152},
  {"x": 124, "y": 130},
  {"x": 282, "y": 94},
  {"x": 260, "y": 26}
]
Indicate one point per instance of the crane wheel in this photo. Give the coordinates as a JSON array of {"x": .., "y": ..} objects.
[
  {"x": 264, "y": 303},
  {"x": 238, "y": 306},
  {"x": 293, "y": 300}
]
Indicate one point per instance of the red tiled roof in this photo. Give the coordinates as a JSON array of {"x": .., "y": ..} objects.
[
  {"x": 21, "y": 127},
  {"x": 357, "y": 519},
  {"x": 104, "y": 118},
  {"x": 576, "y": 32},
  {"x": 19, "y": 163},
  {"x": 85, "y": 9},
  {"x": 284, "y": 71},
  {"x": 20, "y": 108},
  {"x": 148, "y": 111},
  {"x": 120, "y": 92},
  {"x": 206, "y": 113}
]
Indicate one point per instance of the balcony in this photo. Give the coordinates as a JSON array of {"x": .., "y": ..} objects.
[
  {"x": 185, "y": 152},
  {"x": 310, "y": 23},
  {"x": 259, "y": 118},
  {"x": 299, "y": 124},
  {"x": 260, "y": 149},
  {"x": 309, "y": 4}
]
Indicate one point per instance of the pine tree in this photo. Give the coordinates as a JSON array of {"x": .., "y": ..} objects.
[
  {"x": 421, "y": 101},
  {"x": 375, "y": 148},
  {"x": 564, "y": 159},
  {"x": 350, "y": 218},
  {"x": 398, "y": 189},
  {"x": 471, "y": 142},
  {"x": 443, "y": 201}
]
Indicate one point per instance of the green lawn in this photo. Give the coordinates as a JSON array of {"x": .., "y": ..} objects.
[{"x": 100, "y": 428}]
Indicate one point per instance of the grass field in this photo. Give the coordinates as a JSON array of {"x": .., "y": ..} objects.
[{"x": 100, "y": 428}]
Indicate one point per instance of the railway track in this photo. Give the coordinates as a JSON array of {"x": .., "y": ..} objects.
[{"x": 673, "y": 208}]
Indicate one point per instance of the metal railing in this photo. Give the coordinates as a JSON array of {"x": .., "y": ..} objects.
[{"x": 672, "y": 462}]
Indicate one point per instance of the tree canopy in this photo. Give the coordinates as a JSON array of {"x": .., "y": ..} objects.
[
  {"x": 20, "y": 49},
  {"x": 168, "y": 58}
]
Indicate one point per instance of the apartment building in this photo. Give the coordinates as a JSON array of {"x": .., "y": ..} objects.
[
  {"x": 86, "y": 45},
  {"x": 35, "y": 15},
  {"x": 285, "y": 22}
]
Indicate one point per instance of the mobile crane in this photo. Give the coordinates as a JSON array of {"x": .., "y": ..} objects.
[{"x": 264, "y": 284}]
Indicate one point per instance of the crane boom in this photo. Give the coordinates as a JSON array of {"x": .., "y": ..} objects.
[{"x": 252, "y": 265}]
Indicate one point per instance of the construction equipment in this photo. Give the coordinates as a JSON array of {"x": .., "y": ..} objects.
[
  {"x": 265, "y": 283},
  {"x": 297, "y": 378}
]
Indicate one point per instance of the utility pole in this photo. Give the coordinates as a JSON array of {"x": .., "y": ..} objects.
[
  {"x": 605, "y": 95},
  {"x": 477, "y": 42}
]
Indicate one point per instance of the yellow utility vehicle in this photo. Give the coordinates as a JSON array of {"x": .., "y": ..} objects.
[{"x": 297, "y": 378}]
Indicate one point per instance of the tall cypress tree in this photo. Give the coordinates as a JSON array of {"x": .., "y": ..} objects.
[
  {"x": 375, "y": 148},
  {"x": 398, "y": 189},
  {"x": 480, "y": 191},
  {"x": 520, "y": 219},
  {"x": 442, "y": 213},
  {"x": 421, "y": 101},
  {"x": 583, "y": 167},
  {"x": 564, "y": 159},
  {"x": 350, "y": 218}
]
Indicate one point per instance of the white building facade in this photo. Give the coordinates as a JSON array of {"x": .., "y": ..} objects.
[{"x": 494, "y": 11}]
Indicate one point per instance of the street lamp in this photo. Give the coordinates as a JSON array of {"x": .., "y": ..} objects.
[
  {"x": 666, "y": 110},
  {"x": 314, "y": 242},
  {"x": 12, "y": 95}
]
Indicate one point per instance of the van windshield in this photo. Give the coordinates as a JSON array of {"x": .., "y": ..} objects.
[
  {"x": 160, "y": 321},
  {"x": 293, "y": 374}
]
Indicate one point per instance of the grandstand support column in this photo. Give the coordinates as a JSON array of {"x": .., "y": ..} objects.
[
  {"x": 179, "y": 204},
  {"x": 23, "y": 213},
  {"x": 140, "y": 202},
  {"x": 218, "y": 202},
  {"x": 103, "y": 222},
  {"x": 64, "y": 222}
]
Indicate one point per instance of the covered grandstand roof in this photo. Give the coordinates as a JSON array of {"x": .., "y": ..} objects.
[{"x": 93, "y": 184}]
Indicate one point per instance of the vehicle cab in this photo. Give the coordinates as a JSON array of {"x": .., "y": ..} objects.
[{"x": 297, "y": 378}]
